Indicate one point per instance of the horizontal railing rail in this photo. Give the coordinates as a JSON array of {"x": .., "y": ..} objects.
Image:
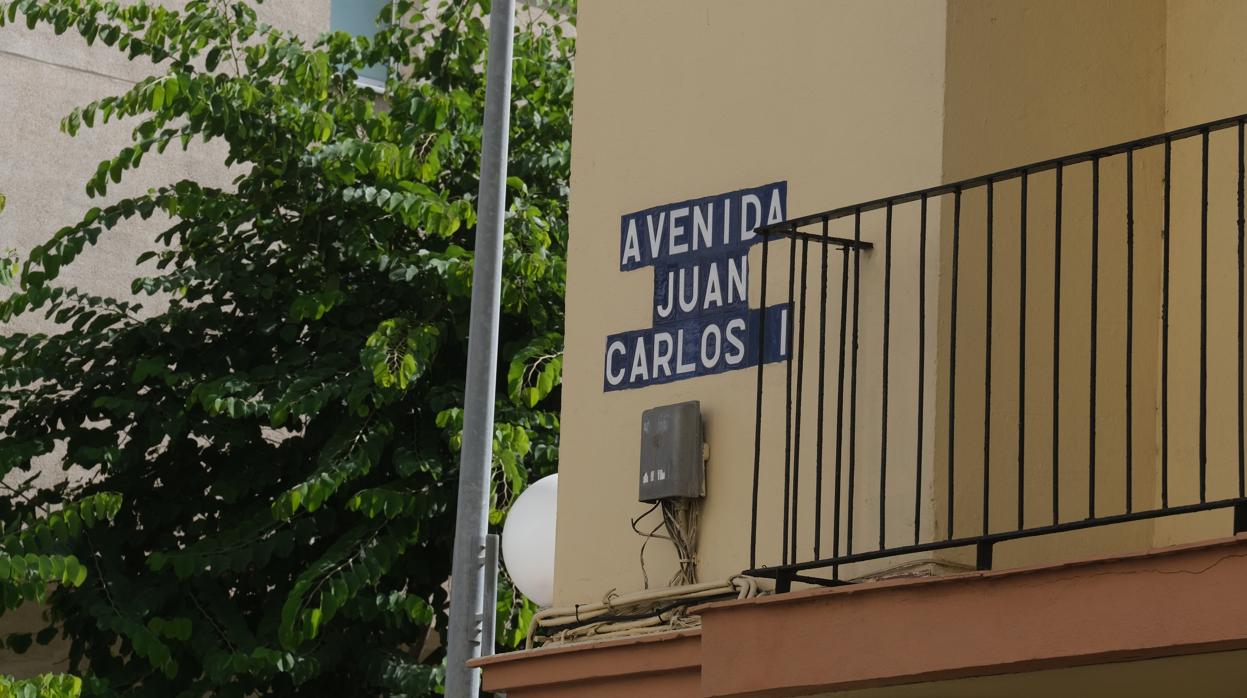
[
  {"x": 924, "y": 408},
  {"x": 787, "y": 226}
]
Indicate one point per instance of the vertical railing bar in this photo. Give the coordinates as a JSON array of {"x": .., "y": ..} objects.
[
  {"x": 822, "y": 378},
  {"x": 857, "y": 267},
  {"x": 844, "y": 305},
  {"x": 796, "y": 447},
  {"x": 1095, "y": 324},
  {"x": 887, "y": 337},
  {"x": 1022, "y": 353},
  {"x": 757, "y": 426},
  {"x": 952, "y": 360},
  {"x": 987, "y": 367},
  {"x": 1242, "y": 224},
  {"x": 794, "y": 419},
  {"x": 1129, "y": 331},
  {"x": 850, "y": 341},
  {"x": 1164, "y": 334},
  {"x": 922, "y": 361},
  {"x": 1203, "y": 319},
  {"x": 788, "y": 335},
  {"x": 1056, "y": 350}
]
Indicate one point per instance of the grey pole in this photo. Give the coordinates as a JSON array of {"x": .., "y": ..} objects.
[
  {"x": 467, "y": 581},
  {"x": 490, "y": 610}
]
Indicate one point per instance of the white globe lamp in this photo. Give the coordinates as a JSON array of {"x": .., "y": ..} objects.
[{"x": 528, "y": 540}]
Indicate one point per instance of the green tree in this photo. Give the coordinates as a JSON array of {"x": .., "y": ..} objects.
[
  {"x": 34, "y": 555},
  {"x": 47, "y": 686},
  {"x": 278, "y": 405},
  {"x": 33, "y": 560}
]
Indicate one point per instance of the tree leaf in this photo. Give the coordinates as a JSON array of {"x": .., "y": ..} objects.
[{"x": 271, "y": 447}]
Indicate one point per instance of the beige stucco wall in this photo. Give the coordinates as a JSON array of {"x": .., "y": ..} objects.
[
  {"x": 1028, "y": 82},
  {"x": 43, "y": 173},
  {"x": 851, "y": 101},
  {"x": 1204, "y": 59},
  {"x": 679, "y": 100}
]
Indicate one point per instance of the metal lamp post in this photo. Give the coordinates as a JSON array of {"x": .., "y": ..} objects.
[{"x": 467, "y": 604}]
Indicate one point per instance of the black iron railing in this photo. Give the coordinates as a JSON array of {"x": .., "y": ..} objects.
[{"x": 923, "y": 408}]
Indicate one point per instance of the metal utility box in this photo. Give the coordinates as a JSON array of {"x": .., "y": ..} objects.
[{"x": 671, "y": 453}]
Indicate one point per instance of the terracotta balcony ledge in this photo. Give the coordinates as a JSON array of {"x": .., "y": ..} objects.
[
  {"x": 1119, "y": 614},
  {"x": 660, "y": 664}
]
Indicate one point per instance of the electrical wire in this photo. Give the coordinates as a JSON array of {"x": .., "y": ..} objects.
[
  {"x": 680, "y": 519},
  {"x": 647, "y": 536},
  {"x": 639, "y": 613},
  {"x": 651, "y": 610}
]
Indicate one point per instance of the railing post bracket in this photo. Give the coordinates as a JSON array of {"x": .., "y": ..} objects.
[{"x": 983, "y": 555}]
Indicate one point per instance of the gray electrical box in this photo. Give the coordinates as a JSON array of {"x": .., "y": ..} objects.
[{"x": 671, "y": 453}]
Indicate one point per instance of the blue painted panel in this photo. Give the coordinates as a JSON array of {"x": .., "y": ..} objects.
[
  {"x": 697, "y": 346},
  {"x": 699, "y": 228},
  {"x": 697, "y": 288},
  {"x": 702, "y": 324}
]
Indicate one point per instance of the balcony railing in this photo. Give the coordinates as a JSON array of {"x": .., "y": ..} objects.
[{"x": 1049, "y": 348}]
